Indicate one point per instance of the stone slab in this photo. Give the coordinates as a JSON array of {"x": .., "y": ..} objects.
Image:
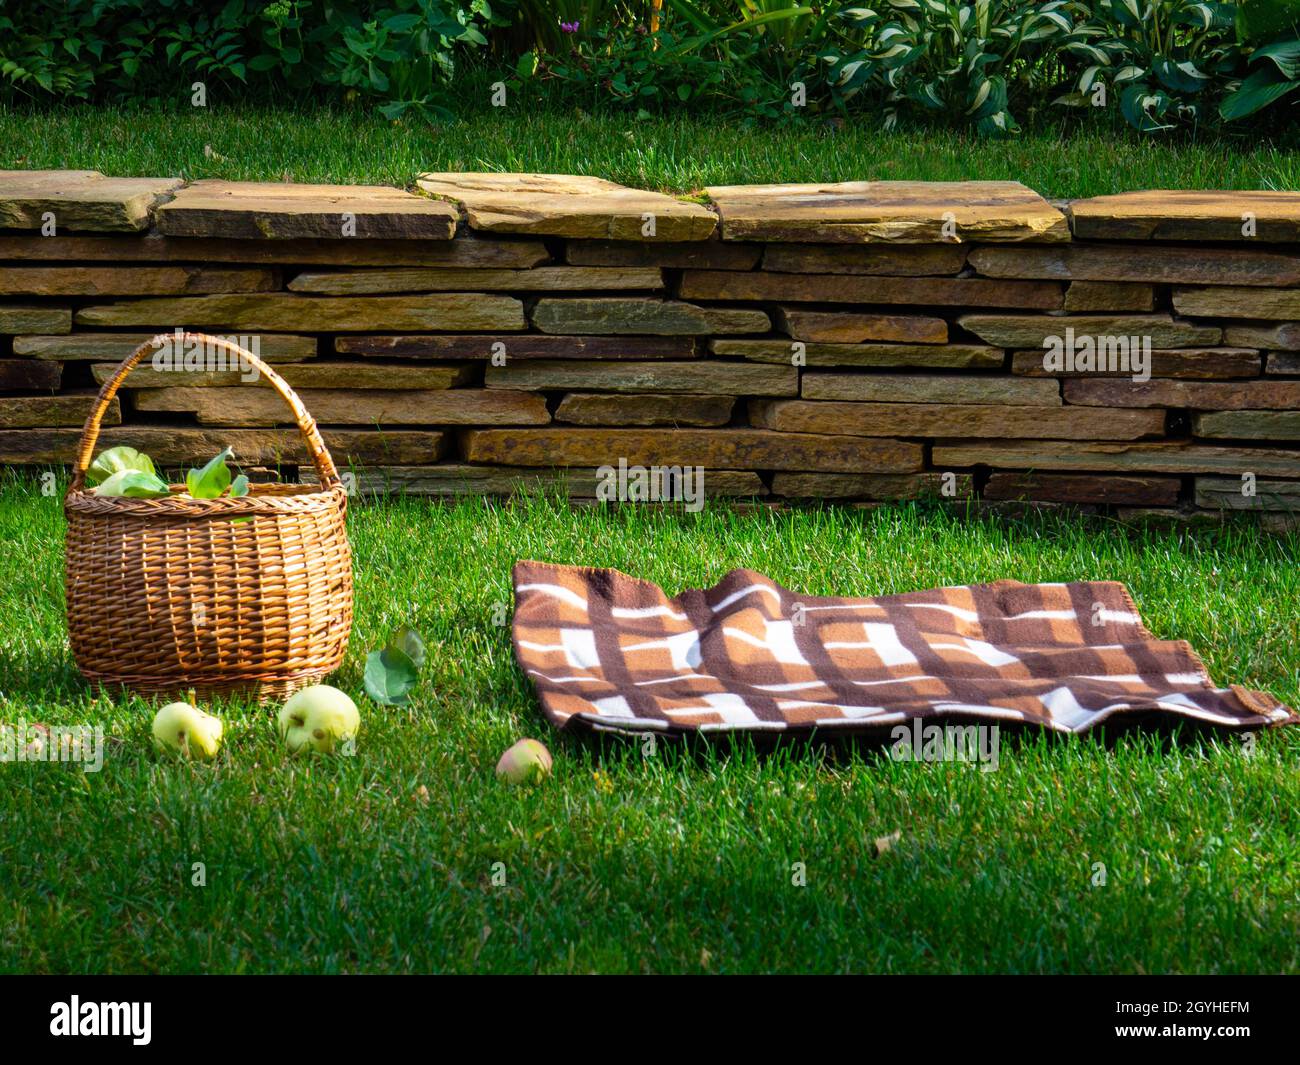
[
  {"x": 696, "y": 255},
  {"x": 289, "y": 311},
  {"x": 914, "y": 212},
  {"x": 909, "y": 260},
  {"x": 711, "y": 378},
  {"x": 521, "y": 346},
  {"x": 731, "y": 449},
  {"x": 539, "y": 279},
  {"x": 1192, "y": 395},
  {"x": 631, "y": 411},
  {"x": 372, "y": 407},
  {"x": 462, "y": 479},
  {"x": 921, "y": 356},
  {"x": 461, "y": 253},
  {"x": 562, "y": 205},
  {"x": 1248, "y": 425},
  {"x": 847, "y": 288},
  {"x": 1085, "y": 297},
  {"x": 837, "y": 327},
  {"x": 1202, "y": 363},
  {"x": 1151, "y": 263},
  {"x": 79, "y": 200},
  {"x": 1172, "y": 457},
  {"x": 125, "y": 280},
  {"x": 603, "y": 316},
  {"x": 249, "y": 210},
  {"x": 953, "y": 420},
  {"x": 1083, "y": 488},
  {"x": 172, "y": 445},
  {"x": 30, "y": 412},
  {"x": 1031, "y": 331},
  {"x": 1283, "y": 362},
  {"x": 1185, "y": 214},
  {"x": 349, "y": 375},
  {"x": 932, "y": 388},
  {"x": 1284, "y": 335},
  {"x": 1225, "y": 493},
  {"x": 870, "y": 486},
  {"x": 24, "y": 319},
  {"x": 1237, "y": 302},
  {"x": 114, "y": 347}
]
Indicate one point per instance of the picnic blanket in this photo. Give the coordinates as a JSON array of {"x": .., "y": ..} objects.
[{"x": 611, "y": 652}]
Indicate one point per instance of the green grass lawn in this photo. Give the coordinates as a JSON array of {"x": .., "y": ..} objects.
[
  {"x": 681, "y": 861},
  {"x": 677, "y": 154}
]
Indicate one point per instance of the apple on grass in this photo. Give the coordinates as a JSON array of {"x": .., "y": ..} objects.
[
  {"x": 180, "y": 727},
  {"x": 319, "y": 717},
  {"x": 527, "y": 762}
]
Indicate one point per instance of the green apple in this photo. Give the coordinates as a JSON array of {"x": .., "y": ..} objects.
[
  {"x": 180, "y": 727},
  {"x": 527, "y": 762},
  {"x": 319, "y": 717}
]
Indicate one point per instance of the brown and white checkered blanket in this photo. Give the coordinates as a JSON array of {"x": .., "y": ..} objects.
[{"x": 609, "y": 651}]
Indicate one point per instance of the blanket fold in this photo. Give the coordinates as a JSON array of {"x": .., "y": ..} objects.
[{"x": 609, "y": 651}]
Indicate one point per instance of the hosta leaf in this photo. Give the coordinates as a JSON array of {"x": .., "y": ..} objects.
[
  {"x": 239, "y": 486},
  {"x": 115, "y": 460},
  {"x": 212, "y": 480},
  {"x": 390, "y": 675},
  {"x": 1181, "y": 77},
  {"x": 1285, "y": 55},
  {"x": 1255, "y": 93}
]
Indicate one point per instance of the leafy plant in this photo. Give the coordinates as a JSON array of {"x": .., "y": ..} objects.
[
  {"x": 1277, "y": 23},
  {"x": 956, "y": 60},
  {"x": 1269, "y": 82},
  {"x": 399, "y": 55},
  {"x": 392, "y": 671},
  {"x": 1160, "y": 56},
  {"x": 213, "y": 480},
  {"x": 134, "y": 484},
  {"x": 118, "y": 460},
  {"x": 124, "y": 471}
]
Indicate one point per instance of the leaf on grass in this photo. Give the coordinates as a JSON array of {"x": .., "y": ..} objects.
[
  {"x": 118, "y": 460},
  {"x": 408, "y": 641},
  {"x": 884, "y": 844},
  {"x": 390, "y": 675}
]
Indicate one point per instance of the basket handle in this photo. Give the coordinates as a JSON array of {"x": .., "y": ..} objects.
[{"x": 325, "y": 469}]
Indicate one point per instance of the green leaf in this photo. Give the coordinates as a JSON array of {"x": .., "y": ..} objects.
[
  {"x": 134, "y": 484},
  {"x": 116, "y": 460},
  {"x": 212, "y": 480},
  {"x": 390, "y": 675},
  {"x": 239, "y": 487},
  {"x": 409, "y": 642},
  {"x": 1255, "y": 93},
  {"x": 1285, "y": 56}
]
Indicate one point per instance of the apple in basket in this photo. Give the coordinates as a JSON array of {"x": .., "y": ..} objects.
[
  {"x": 319, "y": 717},
  {"x": 185, "y": 729}
]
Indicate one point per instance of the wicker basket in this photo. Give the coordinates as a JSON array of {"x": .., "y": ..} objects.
[{"x": 167, "y": 595}]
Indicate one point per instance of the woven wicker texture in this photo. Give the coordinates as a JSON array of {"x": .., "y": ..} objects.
[{"x": 250, "y": 595}]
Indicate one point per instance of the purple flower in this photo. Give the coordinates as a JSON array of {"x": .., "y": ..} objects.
[{"x": 569, "y": 27}]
